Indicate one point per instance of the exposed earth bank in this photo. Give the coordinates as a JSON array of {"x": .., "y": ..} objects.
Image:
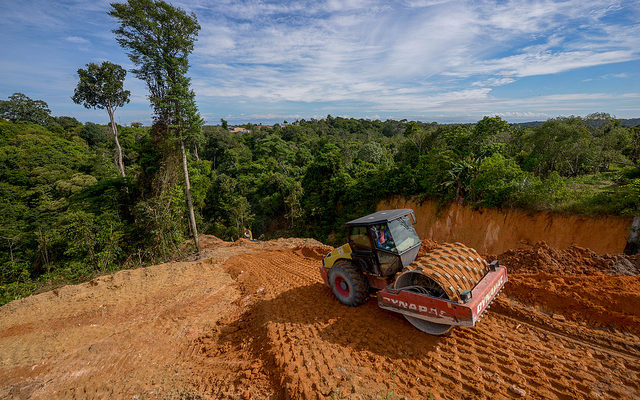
[
  {"x": 495, "y": 231},
  {"x": 253, "y": 320}
]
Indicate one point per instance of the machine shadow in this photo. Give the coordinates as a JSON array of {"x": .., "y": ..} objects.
[{"x": 307, "y": 311}]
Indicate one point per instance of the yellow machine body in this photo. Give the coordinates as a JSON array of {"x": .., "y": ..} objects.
[{"x": 342, "y": 252}]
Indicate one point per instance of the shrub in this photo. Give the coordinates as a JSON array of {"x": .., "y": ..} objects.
[{"x": 497, "y": 180}]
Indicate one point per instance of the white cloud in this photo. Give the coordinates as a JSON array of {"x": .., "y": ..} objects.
[
  {"x": 418, "y": 57},
  {"x": 214, "y": 40},
  {"x": 424, "y": 3},
  {"x": 620, "y": 75},
  {"x": 366, "y": 51},
  {"x": 494, "y": 82},
  {"x": 523, "y": 115},
  {"x": 544, "y": 63},
  {"x": 76, "y": 39}
]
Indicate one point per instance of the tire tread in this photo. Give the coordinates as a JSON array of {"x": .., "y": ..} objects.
[{"x": 358, "y": 282}]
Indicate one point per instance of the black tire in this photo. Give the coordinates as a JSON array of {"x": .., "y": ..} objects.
[{"x": 348, "y": 284}]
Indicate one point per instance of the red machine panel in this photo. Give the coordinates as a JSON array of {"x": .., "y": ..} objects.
[{"x": 446, "y": 311}]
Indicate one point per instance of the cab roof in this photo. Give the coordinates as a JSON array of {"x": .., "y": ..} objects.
[{"x": 380, "y": 217}]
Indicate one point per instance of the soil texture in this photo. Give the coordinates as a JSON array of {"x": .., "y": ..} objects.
[{"x": 253, "y": 320}]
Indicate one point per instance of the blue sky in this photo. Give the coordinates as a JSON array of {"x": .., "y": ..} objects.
[{"x": 429, "y": 60}]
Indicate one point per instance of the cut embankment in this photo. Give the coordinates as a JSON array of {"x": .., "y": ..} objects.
[{"x": 495, "y": 231}]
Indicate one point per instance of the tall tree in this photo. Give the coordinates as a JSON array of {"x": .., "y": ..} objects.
[
  {"x": 21, "y": 107},
  {"x": 101, "y": 86},
  {"x": 159, "y": 39}
]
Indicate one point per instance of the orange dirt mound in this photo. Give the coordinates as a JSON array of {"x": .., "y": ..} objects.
[
  {"x": 314, "y": 252},
  {"x": 242, "y": 242},
  {"x": 600, "y": 301},
  {"x": 211, "y": 238},
  {"x": 574, "y": 260}
]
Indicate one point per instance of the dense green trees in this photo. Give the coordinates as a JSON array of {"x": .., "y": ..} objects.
[
  {"x": 50, "y": 228},
  {"x": 67, "y": 214},
  {"x": 344, "y": 166},
  {"x": 20, "y": 107},
  {"x": 159, "y": 38},
  {"x": 101, "y": 86}
]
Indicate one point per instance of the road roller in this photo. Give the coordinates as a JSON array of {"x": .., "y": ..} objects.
[{"x": 452, "y": 285}]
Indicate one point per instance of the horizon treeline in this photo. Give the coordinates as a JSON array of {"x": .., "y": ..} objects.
[{"x": 68, "y": 214}]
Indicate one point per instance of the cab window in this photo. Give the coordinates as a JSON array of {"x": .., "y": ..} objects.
[
  {"x": 403, "y": 233},
  {"x": 359, "y": 239},
  {"x": 383, "y": 238}
]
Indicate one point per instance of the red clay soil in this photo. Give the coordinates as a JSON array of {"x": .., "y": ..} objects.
[
  {"x": 573, "y": 260},
  {"x": 491, "y": 230},
  {"x": 296, "y": 341},
  {"x": 599, "y": 301},
  {"x": 254, "y": 321},
  {"x": 427, "y": 246}
]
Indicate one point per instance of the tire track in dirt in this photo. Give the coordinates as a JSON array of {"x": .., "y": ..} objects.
[
  {"x": 299, "y": 342},
  {"x": 616, "y": 342},
  {"x": 254, "y": 320},
  {"x": 600, "y": 300},
  {"x": 117, "y": 336}
]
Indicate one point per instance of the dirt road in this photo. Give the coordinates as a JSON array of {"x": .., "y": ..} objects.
[{"x": 253, "y": 320}]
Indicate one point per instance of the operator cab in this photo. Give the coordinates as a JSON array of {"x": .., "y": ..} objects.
[{"x": 384, "y": 242}]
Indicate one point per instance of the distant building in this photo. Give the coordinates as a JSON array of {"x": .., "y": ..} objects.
[{"x": 238, "y": 129}]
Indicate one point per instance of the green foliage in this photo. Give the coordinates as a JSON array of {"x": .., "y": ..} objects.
[
  {"x": 64, "y": 214},
  {"x": 90, "y": 240},
  {"x": 562, "y": 145},
  {"x": 16, "y": 289},
  {"x": 101, "y": 86},
  {"x": 20, "y": 107},
  {"x": 612, "y": 199},
  {"x": 67, "y": 215},
  {"x": 497, "y": 180},
  {"x": 434, "y": 172},
  {"x": 159, "y": 38},
  {"x": 489, "y": 135},
  {"x": 371, "y": 152},
  {"x": 324, "y": 172},
  {"x": 69, "y": 124},
  {"x": 93, "y": 134}
]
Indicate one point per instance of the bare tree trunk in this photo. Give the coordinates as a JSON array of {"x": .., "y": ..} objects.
[
  {"x": 43, "y": 250},
  {"x": 187, "y": 189},
  {"x": 114, "y": 129},
  {"x": 10, "y": 242},
  {"x": 195, "y": 151}
]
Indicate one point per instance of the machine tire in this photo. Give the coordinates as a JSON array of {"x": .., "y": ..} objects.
[{"x": 348, "y": 284}]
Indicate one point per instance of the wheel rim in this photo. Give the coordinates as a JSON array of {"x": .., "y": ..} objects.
[
  {"x": 414, "y": 281},
  {"x": 341, "y": 286},
  {"x": 419, "y": 283}
]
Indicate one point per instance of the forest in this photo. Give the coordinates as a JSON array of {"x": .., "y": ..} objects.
[
  {"x": 68, "y": 214},
  {"x": 82, "y": 199}
]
